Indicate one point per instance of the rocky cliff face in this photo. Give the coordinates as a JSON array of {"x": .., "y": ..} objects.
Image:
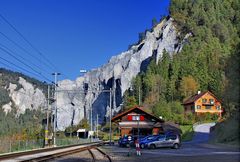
[
  {"x": 91, "y": 92},
  {"x": 92, "y": 89},
  {"x": 20, "y": 92}
]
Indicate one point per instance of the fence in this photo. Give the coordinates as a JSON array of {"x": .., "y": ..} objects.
[
  {"x": 7, "y": 146},
  {"x": 72, "y": 141},
  {"x": 19, "y": 145}
]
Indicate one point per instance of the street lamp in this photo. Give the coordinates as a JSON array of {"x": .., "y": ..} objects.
[{"x": 47, "y": 125}]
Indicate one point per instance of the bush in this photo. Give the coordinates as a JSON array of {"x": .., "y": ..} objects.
[
  {"x": 206, "y": 117},
  {"x": 162, "y": 109},
  {"x": 189, "y": 119},
  {"x": 215, "y": 117}
]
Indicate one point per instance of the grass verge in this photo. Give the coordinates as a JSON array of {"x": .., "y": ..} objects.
[{"x": 187, "y": 132}]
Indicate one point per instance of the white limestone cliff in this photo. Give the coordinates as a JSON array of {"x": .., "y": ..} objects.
[
  {"x": 116, "y": 74},
  {"x": 27, "y": 97}
]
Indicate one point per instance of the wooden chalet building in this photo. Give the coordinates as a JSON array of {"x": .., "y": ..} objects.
[
  {"x": 203, "y": 102},
  {"x": 136, "y": 118}
]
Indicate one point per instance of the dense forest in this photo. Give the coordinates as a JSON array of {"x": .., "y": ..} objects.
[{"x": 209, "y": 61}]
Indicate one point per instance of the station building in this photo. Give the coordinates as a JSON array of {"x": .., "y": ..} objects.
[{"x": 134, "y": 119}]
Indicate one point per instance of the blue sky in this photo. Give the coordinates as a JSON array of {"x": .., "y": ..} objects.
[{"x": 72, "y": 34}]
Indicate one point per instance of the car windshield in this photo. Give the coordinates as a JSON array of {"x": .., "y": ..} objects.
[
  {"x": 151, "y": 137},
  {"x": 161, "y": 137}
]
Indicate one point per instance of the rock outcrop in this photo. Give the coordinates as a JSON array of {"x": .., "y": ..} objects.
[
  {"x": 24, "y": 95},
  {"x": 91, "y": 92},
  {"x": 92, "y": 89}
]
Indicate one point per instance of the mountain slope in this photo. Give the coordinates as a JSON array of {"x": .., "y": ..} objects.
[
  {"x": 210, "y": 61},
  {"x": 22, "y": 103},
  {"x": 86, "y": 91}
]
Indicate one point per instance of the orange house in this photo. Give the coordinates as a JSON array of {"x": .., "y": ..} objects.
[{"x": 203, "y": 102}]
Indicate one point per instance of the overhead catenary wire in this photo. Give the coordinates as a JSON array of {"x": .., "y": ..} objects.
[
  {"x": 27, "y": 41},
  {"x": 19, "y": 67},
  {"x": 5, "y": 64},
  {"x": 39, "y": 73},
  {"x": 24, "y": 50},
  {"x": 28, "y": 61},
  {"x": 30, "y": 44}
]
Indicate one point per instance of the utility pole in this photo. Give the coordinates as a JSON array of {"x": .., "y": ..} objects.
[
  {"x": 46, "y": 129},
  {"x": 110, "y": 117},
  {"x": 91, "y": 123},
  {"x": 97, "y": 126},
  {"x": 55, "y": 110},
  {"x": 139, "y": 96}
]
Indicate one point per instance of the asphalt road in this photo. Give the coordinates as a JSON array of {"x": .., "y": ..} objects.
[
  {"x": 197, "y": 150},
  {"x": 202, "y": 132}
]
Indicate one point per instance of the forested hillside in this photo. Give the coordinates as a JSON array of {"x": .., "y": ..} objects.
[
  {"x": 14, "y": 125},
  {"x": 209, "y": 61}
]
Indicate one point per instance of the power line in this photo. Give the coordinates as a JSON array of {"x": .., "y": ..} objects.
[
  {"x": 24, "y": 64},
  {"x": 30, "y": 44},
  {"x": 24, "y": 50},
  {"x": 27, "y": 41},
  {"x": 19, "y": 67},
  {"x": 25, "y": 59},
  {"x": 5, "y": 64}
]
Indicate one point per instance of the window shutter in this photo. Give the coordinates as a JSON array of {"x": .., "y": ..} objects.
[
  {"x": 130, "y": 117},
  {"x": 141, "y": 118}
]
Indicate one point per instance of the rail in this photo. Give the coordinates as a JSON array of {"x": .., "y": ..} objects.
[
  {"x": 50, "y": 156},
  {"x": 99, "y": 150}
]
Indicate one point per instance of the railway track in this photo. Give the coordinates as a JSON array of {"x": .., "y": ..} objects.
[
  {"x": 100, "y": 151},
  {"x": 53, "y": 153}
]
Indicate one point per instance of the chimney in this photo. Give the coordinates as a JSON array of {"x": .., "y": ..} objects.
[{"x": 198, "y": 92}]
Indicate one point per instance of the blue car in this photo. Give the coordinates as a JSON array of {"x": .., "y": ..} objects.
[
  {"x": 123, "y": 141},
  {"x": 144, "y": 141}
]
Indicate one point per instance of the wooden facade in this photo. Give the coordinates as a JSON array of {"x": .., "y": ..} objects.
[
  {"x": 134, "y": 119},
  {"x": 202, "y": 103}
]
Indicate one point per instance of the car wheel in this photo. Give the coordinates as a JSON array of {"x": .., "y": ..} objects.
[
  {"x": 152, "y": 146},
  {"x": 142, "y": 146},
  {"x": 176, "y": 146}
]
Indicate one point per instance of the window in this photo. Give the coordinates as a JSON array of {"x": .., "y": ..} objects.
[
  {"x": 172, "y": 137},
  {"x": 161, "y": 139},
  {"x": 211, "y": 101},
  {"x": 208, "y": 107},
  {"x": 198, "y": 107},
  {"x": 192, "y": 107},
  {"x": 204, "y": 100},
  {"x": 135, "y": 117},
  {"x": 218, "y": 107}
]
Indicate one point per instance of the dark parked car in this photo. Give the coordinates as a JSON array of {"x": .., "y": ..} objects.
[{"x": 125, "y": 142}]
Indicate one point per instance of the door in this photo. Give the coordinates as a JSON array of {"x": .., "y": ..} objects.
[
  {"x": 160, "y": 141},
  {"x": 170, "y": 140}
]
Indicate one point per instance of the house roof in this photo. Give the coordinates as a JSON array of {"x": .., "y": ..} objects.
[
  {"x": 135, "y": 109},
  {"x": 195, "y": 97}
]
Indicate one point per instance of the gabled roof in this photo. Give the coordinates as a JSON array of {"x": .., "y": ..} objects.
[
  {"x": 195, "y": 97},
  {"x": 136, "y": 109}
]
